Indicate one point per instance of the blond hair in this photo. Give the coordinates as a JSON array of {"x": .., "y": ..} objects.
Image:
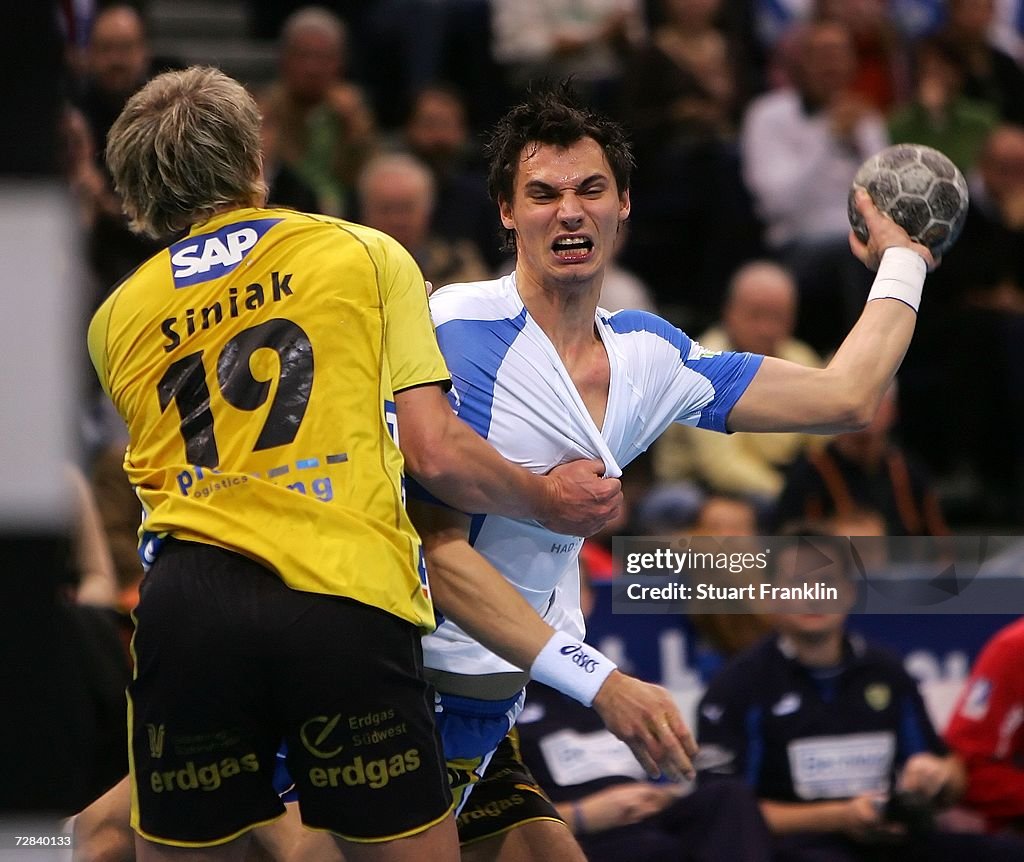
[{"x": 185, "y": 146}]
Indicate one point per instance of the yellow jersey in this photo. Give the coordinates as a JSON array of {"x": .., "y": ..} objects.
[{"x": 255, "y": 363}]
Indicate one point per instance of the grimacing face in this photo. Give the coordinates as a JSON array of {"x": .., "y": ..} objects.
[{"x": 566, "y": 211}]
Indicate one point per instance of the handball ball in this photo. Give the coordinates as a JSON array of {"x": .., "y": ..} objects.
[{"x": 919, "y": 188}]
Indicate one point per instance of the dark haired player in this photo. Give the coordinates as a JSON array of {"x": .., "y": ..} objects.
[{"x": 543, "y": 373}]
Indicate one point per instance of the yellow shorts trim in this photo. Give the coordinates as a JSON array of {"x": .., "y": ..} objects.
[
  {"x": 505, "y": 829},
  {"x": 193, "y": 844},
  {"x": 407, "y": 834}
]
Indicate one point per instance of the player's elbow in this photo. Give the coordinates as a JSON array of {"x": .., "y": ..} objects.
[
  {"x": 858, "y": 416},
  {"x": 426, "y": 461},
  {"x": 850, "y": 406}
]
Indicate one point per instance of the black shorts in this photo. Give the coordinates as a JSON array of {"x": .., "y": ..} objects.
[
  {"x": 230, "y": 662},
  {"x": 506, "y": 797}
]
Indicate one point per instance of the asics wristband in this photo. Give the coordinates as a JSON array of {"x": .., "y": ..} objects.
[{"x": 572, "y": 667}]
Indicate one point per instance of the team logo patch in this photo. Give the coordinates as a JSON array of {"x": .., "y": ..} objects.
[
  {"x": 155, "y": 734},
  {"x": 315, "y": 734},
  {"x": 976, "y": 702},
  {"x": 196, "y": 259},
  {"x": 878, "y": 696}
]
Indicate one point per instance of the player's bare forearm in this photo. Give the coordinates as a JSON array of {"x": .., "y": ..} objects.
[
  {"x": 468, "y": 590},
  {"x": 844, "y": 396},
  {"x": 459, "y": 467}
]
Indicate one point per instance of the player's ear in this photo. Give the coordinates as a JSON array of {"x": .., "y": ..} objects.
[
  {"x": 624, "y": 205},
  {"x": 505, "y": 210}
]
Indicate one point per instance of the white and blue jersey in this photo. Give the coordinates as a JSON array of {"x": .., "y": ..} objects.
[{"x": 511, "y": 386}]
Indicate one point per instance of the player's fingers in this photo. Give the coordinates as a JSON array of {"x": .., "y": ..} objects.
[
  {"x": 684, "y": 735},
  {"x": 876, "y": 221},
  {"x": 640, "y": 751},
  {"x": 865, "y": 205},
  {"x": 862, "y": 252},
  {"x": 429, "y": 286},
  {"x": 678, "y": 747},
  {"x": 609, "y": 490},
  {"x": 596, "y": 466}
]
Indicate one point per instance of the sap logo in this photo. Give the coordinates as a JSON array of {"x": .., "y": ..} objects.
[{"x": 212, "y": 255}]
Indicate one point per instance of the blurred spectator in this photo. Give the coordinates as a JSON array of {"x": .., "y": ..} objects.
[
  {"x": 396, "y": 195},
  {"x": 85, "y": 175},
  {"x": 834, "y": 738},
  {"x": 436, "y": 132},
  {"x": 65, "y": 671},
  {"x": 940, "y": 115},
  {"x": 681, "y": 100},
  {"x": 682, "y": 84},
  {"x": 882, "y": 31},
  {"x": 325, "y": 129},
  {"x": 994, "y": 227},
  {"x": 864, "y": 470},
  {"x": 729, "y": 517},
  {"x": 991, "y": 75},
  {"x": 621, "y": 288},
  {"x": 987, "y": 730},
  {"x": 758, "y": 317},
  {"x": 722, "y": 515},
  {"x": 882, "y": 77},
  {"x": 801, "y": 146},
  {"x": 285, "y": 188},
  {"x": 120, "y": 514},
  {"x": 555, "y": 39},
  {"x": 92, "y": 562},
  {"x": 617, "y": 814},
  {"x": 412, "y": 35},
  {"x": 1007, "y": 30},
  {"x": 74, "y": 20},
  {"x": 668, "y": 508},
  {"x": 118, "y": 62},
  {"x": 975, "y": 308}
]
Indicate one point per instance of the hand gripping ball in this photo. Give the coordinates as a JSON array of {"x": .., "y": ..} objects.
[{"x": 919, "y": 188}]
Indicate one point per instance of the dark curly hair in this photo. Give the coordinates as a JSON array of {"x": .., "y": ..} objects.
[{"x": 551, "y": 114}]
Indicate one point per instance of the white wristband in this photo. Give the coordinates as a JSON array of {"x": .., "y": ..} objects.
[
  {"x": 572, "y": 667},
  {"x": 900, "y": 276}
]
